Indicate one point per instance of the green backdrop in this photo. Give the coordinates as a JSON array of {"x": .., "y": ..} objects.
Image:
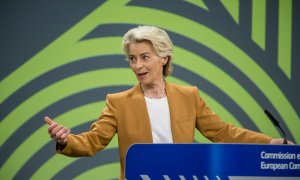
[{"x": 61, "y": 58}]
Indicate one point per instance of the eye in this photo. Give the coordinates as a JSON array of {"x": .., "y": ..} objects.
[
  {"x": 145, "y": 57},
  {"x": 132, "y": 59}
]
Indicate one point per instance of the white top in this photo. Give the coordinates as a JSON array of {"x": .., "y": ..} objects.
[{"x": 159, "y": 113}]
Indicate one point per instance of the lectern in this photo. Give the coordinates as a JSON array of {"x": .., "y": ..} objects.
[{"x": 212, "y": 161}]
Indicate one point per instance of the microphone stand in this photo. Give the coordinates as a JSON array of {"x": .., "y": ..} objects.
[{"x": 276, "y": 123}]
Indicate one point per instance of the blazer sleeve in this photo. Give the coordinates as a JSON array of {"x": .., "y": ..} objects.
[
  {"x": 216, "y": 130},
  {"x": 97, "y": 138}
]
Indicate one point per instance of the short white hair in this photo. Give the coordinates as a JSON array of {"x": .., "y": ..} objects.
[{"x": 159, "y": 39}]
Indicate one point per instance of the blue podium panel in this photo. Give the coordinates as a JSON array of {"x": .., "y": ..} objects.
[{"x": 212, "y": 161}]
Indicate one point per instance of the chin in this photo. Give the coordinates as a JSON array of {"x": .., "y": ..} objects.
[{"x": 143, "y": 82}]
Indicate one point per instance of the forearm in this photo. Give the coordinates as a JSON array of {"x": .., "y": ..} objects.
[
  {"x": 81, "y": 145},
  {"x": 232, "y": 134},
  {"x": 216, "y": 130}
]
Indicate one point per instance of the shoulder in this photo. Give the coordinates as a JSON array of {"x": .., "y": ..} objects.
[
  {"x": 123, "y": 94},
  {"x": 182, "y": 89}
]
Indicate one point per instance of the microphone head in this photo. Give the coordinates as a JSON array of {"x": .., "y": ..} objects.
[{"x": 271, "y": 117}]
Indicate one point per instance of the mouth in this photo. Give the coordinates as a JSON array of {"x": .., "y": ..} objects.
[{"x": 142, "y": 75}]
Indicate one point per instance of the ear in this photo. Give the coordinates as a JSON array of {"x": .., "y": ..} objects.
[{"x": 165, "y": 60}]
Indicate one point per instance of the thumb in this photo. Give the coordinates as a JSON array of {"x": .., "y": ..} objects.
[{"x": 48, "y": 120}]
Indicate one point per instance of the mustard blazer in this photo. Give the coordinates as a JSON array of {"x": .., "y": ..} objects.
[{"x": 126, "y": 114}]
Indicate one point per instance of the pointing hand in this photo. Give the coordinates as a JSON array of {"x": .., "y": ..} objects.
[{"x": 57, "y": 132}]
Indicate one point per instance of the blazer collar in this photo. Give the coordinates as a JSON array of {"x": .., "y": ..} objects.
[
  {"x": 142, "y": 113},
  {"x": 139, "y": 106},
  {"x": 171, "y": 94}
]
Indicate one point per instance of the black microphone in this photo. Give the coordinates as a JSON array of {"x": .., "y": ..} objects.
[{"x": 276, "y": 123}]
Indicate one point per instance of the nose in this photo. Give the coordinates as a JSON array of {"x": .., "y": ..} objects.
[{"x": 139, "y": 64}]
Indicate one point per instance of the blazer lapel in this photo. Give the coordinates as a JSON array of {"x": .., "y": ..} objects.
[
  {"x": 139, "y": 107},
  {"x": 174, "y": 111}
]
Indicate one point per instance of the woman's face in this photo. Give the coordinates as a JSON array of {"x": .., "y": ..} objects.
[{"x": 145, "y": 63}]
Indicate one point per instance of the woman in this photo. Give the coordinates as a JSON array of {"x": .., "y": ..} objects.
[{"x": 153, "y": 111}]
